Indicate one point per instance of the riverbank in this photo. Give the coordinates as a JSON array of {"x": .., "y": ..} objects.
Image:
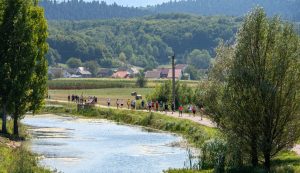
[
  {"x": 196, "y": 133},
  {"x": 14, "y": 157}
]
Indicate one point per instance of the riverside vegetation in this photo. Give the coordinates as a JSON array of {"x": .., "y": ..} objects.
[{"x": 209, "y": 140}]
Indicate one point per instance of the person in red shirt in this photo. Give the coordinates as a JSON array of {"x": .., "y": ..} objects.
[{"x": 180, "y": 111}]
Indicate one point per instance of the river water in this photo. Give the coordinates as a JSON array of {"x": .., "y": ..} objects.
[{"x": 74, "y": 145}]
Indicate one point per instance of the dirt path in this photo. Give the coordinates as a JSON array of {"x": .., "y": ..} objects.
[{"x": 205, "y": 121}]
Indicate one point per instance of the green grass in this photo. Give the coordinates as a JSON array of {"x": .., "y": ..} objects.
[
  {"x": 102, "y": 94},
  {"x": 17, "y": 160},
  {"x": 99, "y": 83},
  {"x": 194, "y": 132},
  {"x": 285, "y": 162}
]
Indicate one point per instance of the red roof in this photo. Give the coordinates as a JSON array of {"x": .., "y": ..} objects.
[{"x": 120, "y": 74}]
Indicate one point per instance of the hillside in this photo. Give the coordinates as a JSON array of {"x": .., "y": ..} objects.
[
  {"x": 144, "y": 42},
  {"x": 81, "y": 10},
  {"x": 288, "y": 9}
]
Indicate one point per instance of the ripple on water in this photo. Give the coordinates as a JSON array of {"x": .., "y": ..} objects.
[{"x": 92, "y": 145}]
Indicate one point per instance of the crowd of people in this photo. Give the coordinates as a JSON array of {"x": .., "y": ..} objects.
[
  {"x": 80, "y": 99},
  {"x": 150, "y": 106}
]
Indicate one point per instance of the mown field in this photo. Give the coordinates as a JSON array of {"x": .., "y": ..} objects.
[
  {"x": 101, "y": 94},
  {"x": 100, "y": 83}
]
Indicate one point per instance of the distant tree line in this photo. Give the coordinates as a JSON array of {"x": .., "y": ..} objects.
[
  {"x": 287, "y": 9},
  {"x": 81, "y": 10},
  {"x": 145, "y": 42}
]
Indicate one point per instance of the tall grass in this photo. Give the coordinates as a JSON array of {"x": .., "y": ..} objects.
[{"x": 99, "y": 83}]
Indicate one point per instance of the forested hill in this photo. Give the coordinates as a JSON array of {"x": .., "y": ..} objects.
[
  {"x": 288, "y": 9},
  {"x": 81, "y": 10},
  {"x": 144, "y": 42}
]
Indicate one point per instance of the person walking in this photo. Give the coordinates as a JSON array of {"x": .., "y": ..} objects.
[
  {"x": 122, "y": 103},
  {"x": 128, "y": 103},
  {"x": 166, "y": 108},
  {"x": 69, "y": 98},
  {"x": 152, "y": 105},
  {"x": 190, "y": 109},
  {"x": 156, "y": 106},
  {"x": 108, "y": 102},
  {"x": 117, "y": 103},
  {"x": 149, "y": 106},
  {"x": 143, "y": 104},
  {"x": 173, "y": 107},
  {"x": 194, "y": 111},
  {"x": 180, "y": 110}
]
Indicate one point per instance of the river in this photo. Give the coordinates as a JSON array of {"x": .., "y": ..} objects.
[{"x": 80, "y": 145}]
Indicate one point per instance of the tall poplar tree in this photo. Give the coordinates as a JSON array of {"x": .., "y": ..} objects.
[
  {"x": 30, "y": 74},
  {"x": 25, "y": 58}
]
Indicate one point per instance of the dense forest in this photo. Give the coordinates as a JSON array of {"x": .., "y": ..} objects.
[
  {"x": 81, "y": 10},
  {"x": 144, "y": 42},
  {"x": 288, "y": 9}
]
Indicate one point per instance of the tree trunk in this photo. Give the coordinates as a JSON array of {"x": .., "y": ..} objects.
[
  {"x": 254, "y": 155},
  {"x": 267, "y": 163},
  {"x": 16, "y": 125},
  {"x": 4, "y": 117}
]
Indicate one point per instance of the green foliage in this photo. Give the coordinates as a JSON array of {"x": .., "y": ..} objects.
[
  {"x": 74, "y": 62},
  {"x": 92, "y": 66},
  {"x": 213, "y": 154},
  {"x": 255, "y": 99},
  {"x": 194, "y": 132},
  {"x": 23, "y": 46},
  {"x": 287, "y": 9},
  {"x": 184, "y": 94},
  {"x": 199, "y": 59},
  {"x": 84, "y": 10},
  {"x": 145, "y": 42},
  {"x": 141, "y": 81}
]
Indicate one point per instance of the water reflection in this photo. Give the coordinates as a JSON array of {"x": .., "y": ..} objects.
[{"x": 91, "y": 145}]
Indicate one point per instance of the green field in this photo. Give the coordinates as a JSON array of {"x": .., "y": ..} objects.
[
  {"x": 99, "y": 83},
  {"x": 102, "y": 94}
]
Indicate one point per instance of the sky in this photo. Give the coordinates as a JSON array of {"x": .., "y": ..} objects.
[{"x": 135, "y": 3}]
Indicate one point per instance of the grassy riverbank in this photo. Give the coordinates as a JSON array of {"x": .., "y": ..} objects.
[
  {"x": 195, "y": 133},
  {"x": 14, "y": 157}
]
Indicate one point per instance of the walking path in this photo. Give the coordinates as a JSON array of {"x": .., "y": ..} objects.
[{"x": 205, "y": 121}]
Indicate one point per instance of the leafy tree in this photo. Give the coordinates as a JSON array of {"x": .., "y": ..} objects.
[
  {"x": 93, "y": 67},
  {"x": 25, "y": 50},
  {"x": 74, "y": 62},
  {"x": 258, "y": 103},
  {"x": 199, "y": 59},
  {"x": 141, "y": 81},
  {"x": 53, "y": 56},
  {"x": 163, "y": 92}
]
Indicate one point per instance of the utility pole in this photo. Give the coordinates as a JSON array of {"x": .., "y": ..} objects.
[{"x": 173, "y": 80}]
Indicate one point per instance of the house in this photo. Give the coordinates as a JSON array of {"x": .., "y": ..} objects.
[
  {"x": 121, "y": 74},
  {"x": 182, "y": 67},
  {"x": 58, "y": 73},
  {"x": 178, "y": 74},
  {"x": 105, "y": 72},
  {"x": 81, "y": 71},
  {"x": 154, "y": 74}
]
